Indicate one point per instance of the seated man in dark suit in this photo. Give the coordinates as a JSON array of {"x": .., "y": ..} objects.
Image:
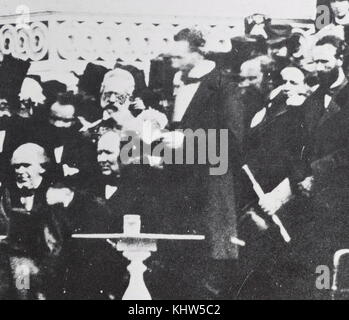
[
  {"x": 34, "y": 239},
  {"x": 123, "y": 189},
  {"x": 94, "y": 270}
]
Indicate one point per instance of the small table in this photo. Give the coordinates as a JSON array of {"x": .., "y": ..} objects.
[{"x": 137, "y": 247}]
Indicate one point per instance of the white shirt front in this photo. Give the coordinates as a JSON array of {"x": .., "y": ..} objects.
[
  {"x": 327, "y": 101},
  {"x": 185, "y": 93},
  {"x": 28, "y": 203},
  {"x": 110, "y": 191},
  {"x": 2, "y": 140},
  {"x": 337, "y": 83},
  {"x": 69, "y": 171},
  {"x": 58, "y": 154}
]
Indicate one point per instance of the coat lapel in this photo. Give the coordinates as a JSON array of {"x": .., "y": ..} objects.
[
  {"x": 333, "y": 109},
  {"x": 337, "y": 104},
  {"x": 314, "y": 110},
  {"x": 196, "y": 109}
]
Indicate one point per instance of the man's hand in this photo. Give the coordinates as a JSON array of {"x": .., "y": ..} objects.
[
  {"x": 296, "y": 100},
  {"x": 123, "y": 117},
  {"x": 306, "y": 186},
  {"x": 273, "y": 201},
  {"x": 259, "y": 221},
  {"x": 173, "y": 140},
  {"x": 270, "y": 204},
  {"x": 59, "y": 195},
  {"x": 69, "y": 171}
]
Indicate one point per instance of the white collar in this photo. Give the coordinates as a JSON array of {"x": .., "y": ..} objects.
[
  {"x": 36, "y": 184},
  {"x": 110, "y": 191},
  {"x": 202, "y": 68},
  {"x": 340, "y": 79}
]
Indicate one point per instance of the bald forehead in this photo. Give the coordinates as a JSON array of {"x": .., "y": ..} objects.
[
  {"x": 63, "y": 111},
  {"x": 29, "y": 153},
  {"x": 119, "y": 81},
  {"x": 110, "y": 142},
  {"x": 324, "y": 52},
  {"x": 292, "y": 74}
]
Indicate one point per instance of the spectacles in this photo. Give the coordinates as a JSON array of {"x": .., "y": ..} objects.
[
  {"x": 28, "y": 103},
  {"x": 119, "y": 97}
]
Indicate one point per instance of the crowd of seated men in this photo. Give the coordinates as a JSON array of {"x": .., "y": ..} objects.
[{"x": 78, "y": 162}]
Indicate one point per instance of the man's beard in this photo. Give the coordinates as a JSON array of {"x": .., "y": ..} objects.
[
  {"x": 250, "y": 90},
  {"x": 252, "y": 93},
  {"x": 326, "y": 79},
  {"x": 62, "y": 135}
]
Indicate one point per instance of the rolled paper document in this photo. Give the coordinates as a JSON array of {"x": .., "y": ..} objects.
[
  {"x": 260, "y": 193},
  {"x": 237, "y": 242}
]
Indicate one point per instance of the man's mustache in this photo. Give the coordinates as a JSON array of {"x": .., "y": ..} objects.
[
  {"x": 112, "y": 106},
  {"x": 104, "y": 164}
]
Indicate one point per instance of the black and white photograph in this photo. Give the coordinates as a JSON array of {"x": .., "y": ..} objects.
[{"x": 189, "y": 150}]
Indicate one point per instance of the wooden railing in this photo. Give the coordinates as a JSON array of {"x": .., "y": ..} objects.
[{"x": 58, "y": 42}]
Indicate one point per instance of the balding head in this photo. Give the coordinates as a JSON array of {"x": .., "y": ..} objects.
[
  {"x": 28, "y": 162},
  {"x": 108, "y": 150},
  {"x": 30, "y": 153}
]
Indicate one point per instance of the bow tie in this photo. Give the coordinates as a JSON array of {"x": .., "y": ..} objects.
[
  {"x": 111, "y": 181},
  {"x": 189, "y": 80},
  {"x": 25, "y": 192},
  {"x": 331, "y": 92}
]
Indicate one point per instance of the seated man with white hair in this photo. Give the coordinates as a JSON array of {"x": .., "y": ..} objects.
[
  {"x": 27, "y": 188},
  {"x": 33, "y": 236},
  {"x": 124, "y": 187}
]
